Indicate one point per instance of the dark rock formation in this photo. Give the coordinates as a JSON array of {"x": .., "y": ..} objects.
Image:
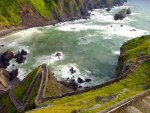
[
  {"x": 108, "y": 9},
  {"x": 20, "y": 59},
  {"x": 128, "y": 11},
  {"x": 7, "y": 56},
  {"x": 73, "y": 85},
  {"x": 20, "y": 56},
  {"x": 75, "y": 9},
  {"x": 88, "y": 80},
  {"x": 4, "y": 64},
  {"x": 13, "y": 74},
  {"x": 5, "y": 59},
  {"x": 72, "y": 71},
  {"x": 122, "y": 14},
  {"x": 80, "y": 80},
  {"x": 23, "y": 52}
]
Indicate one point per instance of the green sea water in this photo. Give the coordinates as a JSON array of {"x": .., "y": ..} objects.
[{"x": 91, "y": 46}]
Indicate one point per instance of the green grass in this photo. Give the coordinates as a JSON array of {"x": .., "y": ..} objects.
[
  {"x": 6, "y": 104},
  {"x": 35, "y": 90},
  {"x": 20, "y": 90},
  {"x": 136, "y": 47},
  {"x": 126, "y": 88},
  {"x": 40, "y": 6},
  {"x": 130, "y": 86},
  {"x": 10, "y": 9}
]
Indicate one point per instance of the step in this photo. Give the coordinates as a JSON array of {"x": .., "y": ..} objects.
[
  {"x": 143, "y": 105},
  {"x": 132, "y": 109}
]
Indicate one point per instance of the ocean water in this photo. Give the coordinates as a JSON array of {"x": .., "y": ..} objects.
[{"x": 90, "y": 46}]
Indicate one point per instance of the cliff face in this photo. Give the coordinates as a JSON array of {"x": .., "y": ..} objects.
[
  {"x": 132, "y": 50},
  {"x": 41, "y": 12}
]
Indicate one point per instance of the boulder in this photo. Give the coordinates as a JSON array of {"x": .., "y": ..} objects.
[
  {"x": 88, "y": 80},
  {"x": 122, "y": 14},
  {"x": 128, "y": 11},
  {"x": 20, "y": 59},
  {"x": 13, "y": 74},
  {"x": 108, "y": 9},
  {"x": 4, "y": 64},
  {"x": 80, "y": 80},
  {"x": 72, "y": 70},
  {"x": 17, "y": 54},
  {"x": 23, "y": 52},
  {"x": 7, "y": 56},
  {"x": 58, "y": 54}
]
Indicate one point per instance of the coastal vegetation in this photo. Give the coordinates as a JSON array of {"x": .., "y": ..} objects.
[
  {"x": 19, "y": 92},
  {"x": 20, "y": 12},
  {"x": 40, "y": 89},
  {"x": 112, "y": 94}
]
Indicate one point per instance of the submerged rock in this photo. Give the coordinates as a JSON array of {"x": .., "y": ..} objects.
[
  {"x": 72, "y": 70},
  {"x": 88, "y": 80},
  {"x": 108, "y": 9}
]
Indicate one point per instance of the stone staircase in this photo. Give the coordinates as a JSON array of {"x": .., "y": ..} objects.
[{"x": 139, "y": 106}]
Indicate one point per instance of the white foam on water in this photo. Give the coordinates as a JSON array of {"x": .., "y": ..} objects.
[
  {"x": 126, "y": 31},
  {"x": 116, "y": 52},
  {"x": 22, "y": 73},
  {"x": 107, "y": 37},
  {"x": 86, "y": 39},
  {"x": 100, "y": 15},
  {"x": 76, "y": 27},
  {"x": 26, "y": 33},
  {"x": 20, "y": 36},
  {"x": 116, "y": 29},
  {"x": 49, "y": 59},
  {"x": 63, "y": 71}
]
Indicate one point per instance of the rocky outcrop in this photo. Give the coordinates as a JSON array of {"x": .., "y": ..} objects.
[
  {"x": 13, "y": 74},
  {"x": 5, "y": 59},
  {"x": 7, "y": 56},
  {"x": 129, "y": 54},
  {"x": 20, "y": 56},
  {"x": 122, "y": 14},
  {"x": 48, "y": 12},
  {"x": 71, "y": 10}
]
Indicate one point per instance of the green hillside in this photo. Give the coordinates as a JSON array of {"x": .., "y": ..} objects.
[
  {"x": 112, "y": 94},
  {"x": 11, "y": 10}
]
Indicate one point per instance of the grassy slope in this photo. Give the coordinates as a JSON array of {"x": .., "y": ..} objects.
[
  {"x": 19, "y": 92},
  {"x": 132, "y": 85},
  {"x": 21, "y": 89},
  {"x": 136, "y": 47},
  {"x": 5, "y": 103},
  {"x": 9, "y": 9}
]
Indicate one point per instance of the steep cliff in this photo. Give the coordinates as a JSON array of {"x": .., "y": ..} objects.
[
  {"x": 131, "y": 50},
  {"x": 41, "y": 12}
]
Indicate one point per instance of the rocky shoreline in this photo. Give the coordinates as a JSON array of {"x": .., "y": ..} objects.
[
  {"x": 7, "y": 56},
  {"x": 36, "y": 20}
]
